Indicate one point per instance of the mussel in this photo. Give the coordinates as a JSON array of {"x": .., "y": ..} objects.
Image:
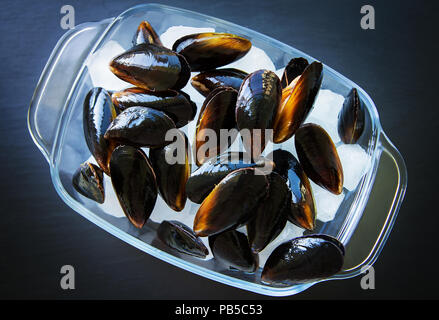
[
  {"x": 319, "y": 157},
  {"x": 98, "y": 113},
  {"x": 303, "y": 211},
  {"x": 216, "y": 118},
  {"x": 88, "y": 180},
  {"x": 134, "y": 183},
  {"x": 294, "y": 68},
  {"x": 210, "y": 50},
  {"x": 304, "y": 259},
  {"x": 256, "y": 106},
  {"x": 153, "y": 67},
  {"x": 146, "y": 34},
  {"x": 205, "y": 82},
  {"x": 180, "y": 237},
  {"x": 231, "y": 248},
  {"x": 232, "y": 202},
  {"x": 271, "y": 215},
  {"x": 297, "y": 101},
  {"x": 205, "y": 178},
  {"x": 172, "y": 169},
  {"x": 177, "y": 105},
  {"x": 351, "y": 118},
  {"x": 141, "y": 127}
]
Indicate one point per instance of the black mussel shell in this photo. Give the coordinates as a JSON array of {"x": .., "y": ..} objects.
[
  {"x": 216, "y": 116},
  {"x": 180, "y": 237},
  {"x": 152, "y": 67},
  {"x": 207, "y": 81},
  {"x": 232, "y": 202},
  {"x": 330, "y": 239},
  {"x": 210, "y": 50},
  {"x": 231, "y": 248},
  {"x": 172, "y": 169},
  {"x": 294, "y": 68},
  {"x": 88, "y": 180},
  {"x": 296, "y": 103},
  {"x": 134, "y": 183},
  {"x": 304, "y": 259},
  {"x": 205, "y": 178},
  {"x": 98, "y": 113},
  {"x": 271, "y": 215},
  {"x": 351, "y": 118},
  {"x": 303, "y": 210},
  {"x": 319, "y": 157},
  {"x": 174, "y": 103},
  {"x": 146, "y": 34},
  {"x": 256, "y": 106},
  {"x": 141, "y": 127}
]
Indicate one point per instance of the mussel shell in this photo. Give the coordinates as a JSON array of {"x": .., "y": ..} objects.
[
  {"x": 98, "y": 113},
  {"x": 303, "y": 209},
  {"x": 141, "y": 127},
  {"x": 297, "y": 102},
  {"x": 210, "y": 50},
  {"x": 134, "y": 183},
  {"x": 180, "y": 237},
  {"x": 146, "y": 34},
  {"x": 172, "y": 178},
  {"x": 205, "y": 82},
  {"x": 256, "y": 106},
  {"x": 351, "y": 118},
  {"x": 205, "y": 178},
  {"x": 303, "y": 259},
  {"x": 153, "y": 67},
  {"x": 174, "y": 103},
  {"x": 329, "y": 238},
  {"x": 232, "y": 202},
  {"x": 319, "y": 157},
  {"x": 88, "y": 180},
  {"x": 231, "y": 249},
  {"x": 217, "y": 113},
  {"x": 294, "y": 68},
  {"x": 271, "y": 215}
]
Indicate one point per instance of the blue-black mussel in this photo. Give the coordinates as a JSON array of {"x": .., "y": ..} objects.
[
  {"x": 304, "y": 259},
  {"x": 180, "y": 237}
]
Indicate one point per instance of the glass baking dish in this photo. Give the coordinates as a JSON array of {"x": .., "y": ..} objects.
[{"x": 364, "y": 219}]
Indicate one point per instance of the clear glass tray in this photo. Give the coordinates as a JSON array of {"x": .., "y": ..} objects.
[{"x": 363, "y": 221}]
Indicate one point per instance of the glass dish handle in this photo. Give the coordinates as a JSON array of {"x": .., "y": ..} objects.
[
  {"x": 49, "y": 99},
  {"x": 394, "y": 200}
]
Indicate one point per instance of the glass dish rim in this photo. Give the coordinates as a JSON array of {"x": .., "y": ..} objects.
[{"x": 367, "y": 180}]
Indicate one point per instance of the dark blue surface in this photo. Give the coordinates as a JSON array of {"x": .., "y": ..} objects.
[{"x": 396, "y": 64}]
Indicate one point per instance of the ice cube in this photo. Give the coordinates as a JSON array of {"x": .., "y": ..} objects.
[
  {"x": 174, "y": 33},
  {"x": 325, "y": 112},
  {"x": 255, "y": 59},
  {"x": 326, "y": 202},
  {"x": 289, "y": 146},
  {"x": 355, "y": 162},
  {"x": 280, "y": 72},
  {"x": 289, "y": 232},
  {"x": 242, "y": 230},
  {"x": 98, "y": 67},
  {"x": 162, "y": 212},
  {"x": 111, "y": 205},
  {"x": 196, "y": 97}
]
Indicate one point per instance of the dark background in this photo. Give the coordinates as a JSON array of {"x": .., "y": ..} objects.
[{"x": 396, "y": 64}]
